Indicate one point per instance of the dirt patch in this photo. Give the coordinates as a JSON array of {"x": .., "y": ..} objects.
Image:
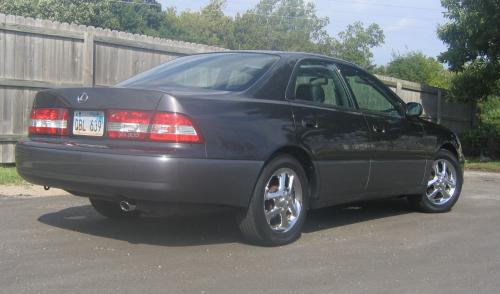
[
  {"x": 482, "y": 174},
  {"x": 488, "y": 170},
  {"x": 29, "y": 191}
]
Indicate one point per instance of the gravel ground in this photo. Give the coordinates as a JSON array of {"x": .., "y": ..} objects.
[{"x": 60, "y": 245}]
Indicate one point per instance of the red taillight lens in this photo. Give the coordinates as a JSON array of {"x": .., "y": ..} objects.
[
  {"x": 174, "y": 127},
  {"x": 128, "y": 124},
  {"x": 49, "y": 121}
]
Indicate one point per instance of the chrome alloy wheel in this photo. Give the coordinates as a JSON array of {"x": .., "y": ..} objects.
[
  {"x": 283, "y": 200},
  {"x": 443, "y": 182}
]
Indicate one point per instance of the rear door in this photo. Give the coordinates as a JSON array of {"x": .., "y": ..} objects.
[
  {"x": 397, "y": 158},
  {"x": 331, "y": 127}
]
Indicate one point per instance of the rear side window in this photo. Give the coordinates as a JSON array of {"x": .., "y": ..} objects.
[
  {"x": 219, "y": 71},
  {"x": 369, "y": 94},
  {"x": 319, "y": 82}
]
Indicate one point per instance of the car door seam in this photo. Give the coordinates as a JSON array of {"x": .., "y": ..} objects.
[
  {"x": 369, "y": 174},
  {"x": 423, "y": 182}
]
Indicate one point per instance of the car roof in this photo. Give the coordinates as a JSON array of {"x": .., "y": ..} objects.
[{"x": 292, "y": 54}]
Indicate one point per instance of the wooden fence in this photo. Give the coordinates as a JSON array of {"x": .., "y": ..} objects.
[
  {"x": 458, "y": 117},
  {"x": 37, "y": 54}
]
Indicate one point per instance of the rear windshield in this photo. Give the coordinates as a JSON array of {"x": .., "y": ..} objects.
[{"x": 219, "y": 71}]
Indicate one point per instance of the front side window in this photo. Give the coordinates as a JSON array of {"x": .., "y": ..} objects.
[
  {"x": 218, "y": 71},
  {"x": 318, "y": 82},
  {"x": 369, "y": 94}
]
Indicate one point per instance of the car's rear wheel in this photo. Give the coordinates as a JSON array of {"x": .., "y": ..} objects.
[
  {"x": 278, "y": 206},
  {"x": 443, "y": 186},
  {"x": 111, "y": 209}
]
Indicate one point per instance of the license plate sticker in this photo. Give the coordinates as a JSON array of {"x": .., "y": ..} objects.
[{"x": 88, "y": 123}]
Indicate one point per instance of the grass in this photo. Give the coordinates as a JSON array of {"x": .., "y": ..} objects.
[
  {"x": 9, "y": 176},
  {"x": 493, "y": 166}
]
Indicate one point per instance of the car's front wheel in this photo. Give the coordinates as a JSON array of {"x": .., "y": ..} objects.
[
  {"x": 443, "y": 186},
  {"x": 111, "y": 209},
  {"x": 278, "y": 206}
]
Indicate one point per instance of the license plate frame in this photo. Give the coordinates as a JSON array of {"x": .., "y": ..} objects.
[{"x": 88, "y": 123}]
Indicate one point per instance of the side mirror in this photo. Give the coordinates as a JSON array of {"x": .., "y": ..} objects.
[{"x": 414, "y": 109}]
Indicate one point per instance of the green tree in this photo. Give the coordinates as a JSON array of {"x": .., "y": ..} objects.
[
  {"x": 417, "y": 67},
  {"x": 473, "y": 38},
  {"x": 280, "y": 25},
  {"x": 289, "y": 25},
  {"x": 355, "y": 43},
  {"x": 208, "y": 26},
  {"x": 137, "y": 16},
  {"x": 476, "y": 82},
  {"x": 293, "y": 25}
]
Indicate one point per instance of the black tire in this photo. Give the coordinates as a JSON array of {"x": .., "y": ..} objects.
[
  {"x": 111, "y": 209},
  {"x": 254, "y": 226},
  {"x": 422, "y": 203}
]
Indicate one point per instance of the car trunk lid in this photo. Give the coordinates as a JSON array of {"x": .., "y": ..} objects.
[{"x": 98, "y": 99}]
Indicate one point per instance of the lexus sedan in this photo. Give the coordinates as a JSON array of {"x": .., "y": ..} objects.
[{"x": 272, "y": 134}]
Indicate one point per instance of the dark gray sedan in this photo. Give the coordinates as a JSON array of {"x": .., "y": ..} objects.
[{"x": 272, "y": 134}]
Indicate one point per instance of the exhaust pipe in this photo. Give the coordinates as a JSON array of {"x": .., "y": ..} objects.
[{"x": 127, "y": 206}]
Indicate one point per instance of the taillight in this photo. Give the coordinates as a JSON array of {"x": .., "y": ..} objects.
[
  {"x": 145, "y": 125},
  {"x": 128, "y": 124},
  {"x": 173, "y": 127},
  {"x": 49, "y": 121}
]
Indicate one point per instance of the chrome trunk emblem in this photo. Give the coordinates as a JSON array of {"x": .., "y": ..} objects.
[{"x": 82, "y": 98}]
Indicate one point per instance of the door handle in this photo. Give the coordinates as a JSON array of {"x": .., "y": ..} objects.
[
  {"x": 310, "y": 124},
  {"x": 378, "y": 129}
]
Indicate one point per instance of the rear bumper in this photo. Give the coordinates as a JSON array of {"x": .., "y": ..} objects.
[{"x": 150, "y": 178}]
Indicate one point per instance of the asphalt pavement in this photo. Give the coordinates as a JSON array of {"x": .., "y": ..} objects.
[{"x": 59, "y": 244}]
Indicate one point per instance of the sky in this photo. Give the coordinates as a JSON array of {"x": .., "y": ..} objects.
[{"x": 408, "y": 25}]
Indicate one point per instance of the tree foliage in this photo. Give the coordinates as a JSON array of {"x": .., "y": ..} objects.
[
  {"x": 289, "y": 25},
  {"x": 134, "y": 17},
  {"x": 472, "y": 33},
  {"x": 281, "y": 25},
  {"x": 417, "y": 67},
  {"x": 473, "y": 38},
  {"x": 356, "y": 41},
  {"x": 476, "y": 82}
]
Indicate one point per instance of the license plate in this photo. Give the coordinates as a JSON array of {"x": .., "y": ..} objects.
[{"x": 88, "y": 123}]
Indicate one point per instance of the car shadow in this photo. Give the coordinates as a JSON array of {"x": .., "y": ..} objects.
[
  {"x": 204, "y": 228},
  {"x": 344, "y": 215}
]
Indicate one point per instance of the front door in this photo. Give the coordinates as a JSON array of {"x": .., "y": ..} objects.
[{"x": 397, "y": 156}]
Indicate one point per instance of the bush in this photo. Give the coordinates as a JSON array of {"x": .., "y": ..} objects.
[
  {"x": 481, "y": 143},
  {"x": 484, "y": 140}
]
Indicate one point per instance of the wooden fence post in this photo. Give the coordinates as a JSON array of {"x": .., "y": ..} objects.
[
  {"x": 439, "y": 107},
  {"x": 88, "y": 59},
  {"x": 399, "y": 89}
]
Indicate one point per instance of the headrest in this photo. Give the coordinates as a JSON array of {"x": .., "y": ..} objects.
[{"x": 310, "y": 93}]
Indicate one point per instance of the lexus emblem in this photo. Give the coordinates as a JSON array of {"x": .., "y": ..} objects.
[{"x": 82, "y": 98}]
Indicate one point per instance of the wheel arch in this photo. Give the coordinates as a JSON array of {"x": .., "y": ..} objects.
[
  {"x": 450, "y": 147},
  {"x": 305, "y": 159}
]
